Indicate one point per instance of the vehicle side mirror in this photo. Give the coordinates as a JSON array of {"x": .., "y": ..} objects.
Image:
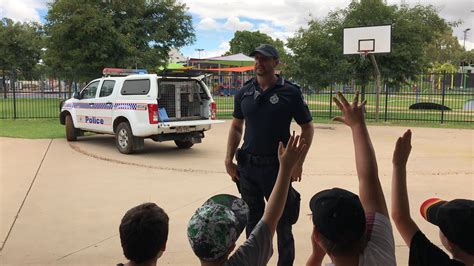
[{"x": 76, "y": 95}]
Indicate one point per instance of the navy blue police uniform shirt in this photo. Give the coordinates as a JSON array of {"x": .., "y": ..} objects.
[{"x": 268, "y": 114}]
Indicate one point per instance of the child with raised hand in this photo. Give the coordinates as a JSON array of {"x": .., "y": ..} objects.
[
  {"x": 455, "y": 219},
  {"x": 353, "y": 229},
  {"x": 217, "y": 224}
]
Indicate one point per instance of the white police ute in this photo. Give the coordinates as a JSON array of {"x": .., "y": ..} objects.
[{"x": 134, "y": 105}]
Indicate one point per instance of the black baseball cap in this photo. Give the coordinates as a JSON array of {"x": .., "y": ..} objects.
[
  {"x": 266, "y": 50},
  {"x": 338, "y": 215},
  {"x": 454, "y": 218}
]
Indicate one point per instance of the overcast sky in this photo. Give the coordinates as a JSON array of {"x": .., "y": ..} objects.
[{"x": 215, "y": 24}]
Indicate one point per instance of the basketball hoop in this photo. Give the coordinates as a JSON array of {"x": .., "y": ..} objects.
[
  {"x": 364, "y": 53},
  {"x": 369, "y": 40}
]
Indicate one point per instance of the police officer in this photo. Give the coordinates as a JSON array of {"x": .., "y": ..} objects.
[{"x": 267, "y": 104}]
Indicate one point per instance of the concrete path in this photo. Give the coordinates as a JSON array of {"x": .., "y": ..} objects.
[{"x": 61, "y": 203}]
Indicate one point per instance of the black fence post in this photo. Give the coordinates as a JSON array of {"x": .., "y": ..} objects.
[
  {"x": 330, "y": 102},
  {"x": 12, "y": 81},
  {"x": 59, "y": 88},
  {"x": 4, "y": 86},
  {"x": 443, "y": 93},
  {"x": 386, "y": 102}
]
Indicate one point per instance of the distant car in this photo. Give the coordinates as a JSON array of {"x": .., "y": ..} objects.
[{"x": 137, "y": 106}]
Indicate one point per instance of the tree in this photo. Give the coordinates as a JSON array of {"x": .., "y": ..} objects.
[
  {"x": 446, "y": 67},
  {"x": 20, "y": 47},
  {"x": 413, "y": 29},
  {"x": 151, "y": 29},
  {"x": 466, "y": 57},
  {"x": 317, "y": 58},
  {"x": 246, "y": 41},
  {"x": 445, "y": 48},
  {"x": 86, "y": 36},
  {"x": 82, "y": 40}
]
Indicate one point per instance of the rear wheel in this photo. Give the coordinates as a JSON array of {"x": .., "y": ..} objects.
[
  {"x": 184, "y": 144},
  {"x": 71, "y": 131},
  {"x": 125, "y": 140}
]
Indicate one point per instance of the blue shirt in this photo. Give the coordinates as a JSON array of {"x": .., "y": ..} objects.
[{"x": 268, "y": 114}]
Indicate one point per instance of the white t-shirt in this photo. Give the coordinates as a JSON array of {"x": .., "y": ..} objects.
[{"x": 380, "y": 249}]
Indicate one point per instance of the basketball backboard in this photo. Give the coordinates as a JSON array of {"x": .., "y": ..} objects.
[{"x": 372, "y": 39}]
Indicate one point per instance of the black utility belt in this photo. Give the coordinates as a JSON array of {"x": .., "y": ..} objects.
[{"x": 244, "y": 157}]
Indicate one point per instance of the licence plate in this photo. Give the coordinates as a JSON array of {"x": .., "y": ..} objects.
[{"x": 182, "y": 129}]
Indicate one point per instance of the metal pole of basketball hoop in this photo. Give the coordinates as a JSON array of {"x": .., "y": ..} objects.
[
  {"x": 364, "y": 54},
  {"x": 377, "y": 86}
]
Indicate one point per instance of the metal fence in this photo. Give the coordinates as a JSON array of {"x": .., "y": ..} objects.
[
  {"x": 432, "y": 98},
  {"x": 33, "y": 99}
]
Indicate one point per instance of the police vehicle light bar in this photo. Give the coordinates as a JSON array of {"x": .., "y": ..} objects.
[{"x": 122, "y": 72}]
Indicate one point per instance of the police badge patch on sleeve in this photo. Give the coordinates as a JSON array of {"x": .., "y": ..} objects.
[{"x": 274, "y": 99}]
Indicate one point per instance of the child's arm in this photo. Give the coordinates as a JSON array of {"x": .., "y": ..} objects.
[
  {"x": 400, "y": 205},
  {"x": 288, "y": 157},
  {"x": 370, "y": 190}
]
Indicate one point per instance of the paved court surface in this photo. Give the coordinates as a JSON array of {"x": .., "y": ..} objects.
[{"x": 61, "y": 203}]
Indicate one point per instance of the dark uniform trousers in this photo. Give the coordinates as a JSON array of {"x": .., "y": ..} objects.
[{"x": 257, "y": 178}]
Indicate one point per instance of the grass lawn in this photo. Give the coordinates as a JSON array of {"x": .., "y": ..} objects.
[
  {"x": 32, "y": 129},
  {"x": 47, "y": 107}
]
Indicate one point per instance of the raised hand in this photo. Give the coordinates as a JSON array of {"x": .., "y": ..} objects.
[
  {"x": 353, "y": 114},
  {"x": 402, "y": 149},
  {"x": 293, "y": 152}
]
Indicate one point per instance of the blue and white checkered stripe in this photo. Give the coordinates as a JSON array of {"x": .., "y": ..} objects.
[
  {"x": 119, "y": 106},
  {"x": 125, "y": 106}
]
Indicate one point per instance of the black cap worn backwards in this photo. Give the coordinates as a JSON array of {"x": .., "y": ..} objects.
[
  {"x": 338, "y": 215},
  {"x": 266, "y": 50},
  {"x": 454, "y": 218}
]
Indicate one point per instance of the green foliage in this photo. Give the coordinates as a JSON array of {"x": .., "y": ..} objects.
[
  {"x": 32, "y": 129},
  {"x": 317, "y": 56},
  {"x": 86, "y": 36},
  {"x": 467, "y": 56},
  {"x": 419, "y": 36},
  {"x": 150, "y": 29},
  {"x": 246, "y": 41},
  {"x": 446, "y": 67},
  {"x": 82, "y": 39},
  {"x": 445, "y": 48},
  {"x": 20, "y": 47}
]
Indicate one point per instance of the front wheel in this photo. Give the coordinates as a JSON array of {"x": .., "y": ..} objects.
[
  {"x": 71, "y": 131},
  {"x": 186, "y": 144},
  {"x": 125, "y": 141}
]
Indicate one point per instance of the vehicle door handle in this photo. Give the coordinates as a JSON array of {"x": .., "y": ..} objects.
[
  {"x": 108, "y": 103},
  {"x": 91, "y": 104}
]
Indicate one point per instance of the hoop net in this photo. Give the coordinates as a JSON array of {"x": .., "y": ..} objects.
[{"x": 364, "y": 53}]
